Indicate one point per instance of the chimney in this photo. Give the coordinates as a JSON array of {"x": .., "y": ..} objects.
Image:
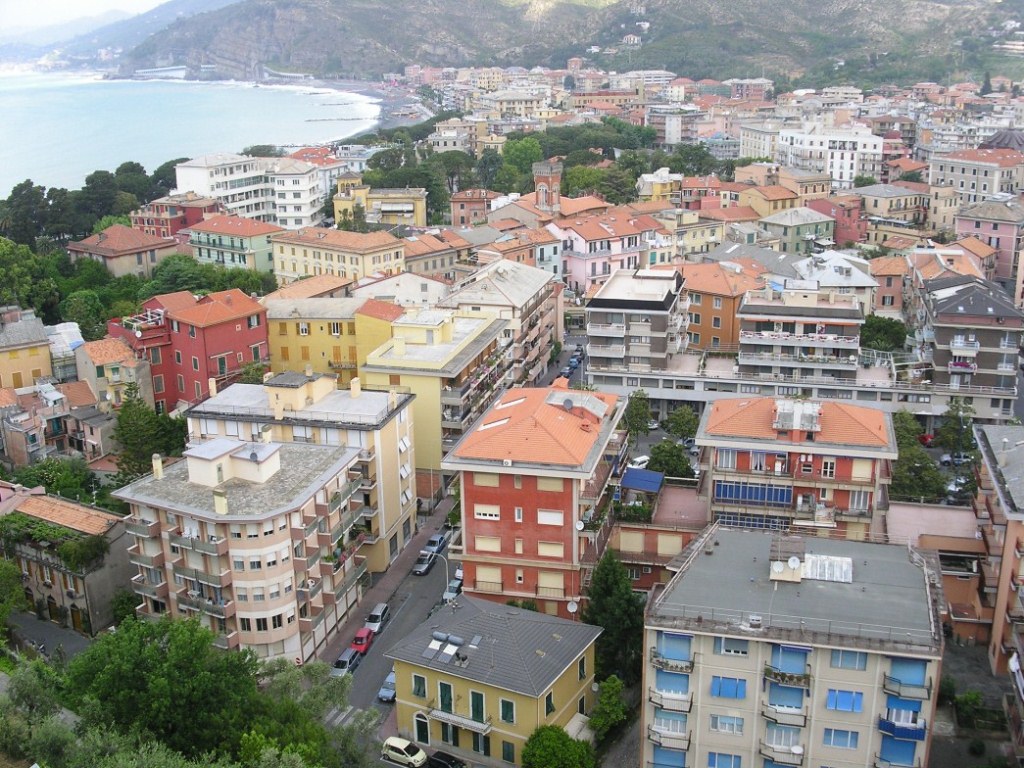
[
  {"x": 265, "y": 432},
  {"x": 220, "y": 502},
  {"x": 355, "y": 387},
  {"x": 392, "y": 399},
  {"x": 158, "y": 467},
  {"x": 213, "y": 386},
  {"x": 278, "y": 410},
  {"x": 1001, "y": 460},
  {"x": 308, "y": 370}
]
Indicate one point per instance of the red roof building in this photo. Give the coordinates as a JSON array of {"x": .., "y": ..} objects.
[
  {"x": 166, "y": 216},
  {"x": 123, "y": 250},
  {"x": 470, "y": 206}
]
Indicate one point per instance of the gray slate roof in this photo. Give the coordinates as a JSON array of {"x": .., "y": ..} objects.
[
  {"x": 514, "y": 649},
  {"x": 28, "y": 330}
]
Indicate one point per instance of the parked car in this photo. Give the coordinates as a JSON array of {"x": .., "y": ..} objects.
[
  {"x": 444, "y": 760},
  {"x": 926, "y": 440},
  {"x": 955, "y": 459},
  {"x": 956, "y": 485},
  {"x": 574, "y": 363},
  {"x": 347, "y": 663},
  {"x": 377, "y": 618},
  {"x": 387, "y": 688},
  {"x": 690, "y": 444},
  {"x": 423, "y": 563},
  {"x": 566, "y": 372},
  {"x": 653, "y": 424},
  {"x": 436, "y": 543},
  {"x": 579, "y": 350},
  {"x": 454, "y": 590},
  {"x": 402, "y": 751},
  {"x": 640, "y": 462},
  {"x": 363, "y": 640}
]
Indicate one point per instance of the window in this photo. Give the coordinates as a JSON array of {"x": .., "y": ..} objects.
[
  {"x": 519, "y": 514},
  {"x": 836, "y": 737},
  {"x": 549, "y": 703},
  {"x": 177, "y": 356},
  {"x": 730, "y": 646},
  {"x": 728, "y": 687},
  {"x": 245, "y": 624},
  {"x": 723, "y": 760},
  {"x": 849, "y": 660},
  {"x": 445, "y": 694},
  {"x": 508, "y": 752},
  {"x": 581, "y": 668},
  {"x": 726, "y": 458},
  {"x": 261, "y": 624},
  {"x": 487, "y": 511},
  {"x": 717, "y": 302},
  {"x": 844, "y": 701},
  {"x": 277, "y": 621},
  {"x": 828, "y": 468},
  {"x": 419, "y": 686},
  {"x": 508, "y": 711},
  {"x": 727, "y": 724},
  {"x": 549, "y": 517},
  {"x": 191, "y": 331}
]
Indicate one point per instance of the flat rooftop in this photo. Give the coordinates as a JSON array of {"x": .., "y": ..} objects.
[
  {"x": 305, "y": 468},
  {"x": 470, "y": 337},
  {"x": 890, "y": 601}
]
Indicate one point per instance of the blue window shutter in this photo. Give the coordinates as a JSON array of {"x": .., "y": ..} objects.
[
  {"x": 716, "y": 686},
  {"x": 831, "y": 700},
  {"x": 741, "y": 689}
]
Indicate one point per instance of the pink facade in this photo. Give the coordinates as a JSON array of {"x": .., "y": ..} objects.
[{"x": 848, "y": 211}]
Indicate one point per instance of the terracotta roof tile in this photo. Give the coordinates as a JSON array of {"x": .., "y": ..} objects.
[
  {"x": 310, "y": 287},
  {"x": 735, "y": 213},
  {"x": 774, "y": 192},
  {"x": 171, "y": 301},
  {"x": 118, "y": 239},
  {"x": 717, "y": 279},
  {"x": 78, "y": 393},
  {"x": 339, "y": 238},
  {"x": 382, "y": 310},
  {"x": 216, "y": 308},
  {"x": 888, "y": 265},
  {"x": 107, "y": 351},
  {"x": 1004, "y": 158},
  {"x": 239, "y": 226},
  {"x": 77, "y": 517},
  {"x": 7, "y": 397},
  {"x": 841, "y": 424}
]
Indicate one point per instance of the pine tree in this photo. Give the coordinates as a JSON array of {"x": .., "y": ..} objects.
[{"x": 612, "y": 604}]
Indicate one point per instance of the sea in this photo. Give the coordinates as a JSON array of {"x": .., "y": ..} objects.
[{"x": 57, "y": 128}]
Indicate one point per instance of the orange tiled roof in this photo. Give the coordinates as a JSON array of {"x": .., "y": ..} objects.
[
  {"x": 310, "y": 287},
  {"x": 172, "y": 301},
  {"x": 338, "y": 238},
  {"x": 841, "y": 424},
  {"x": 774, "y": 192},
  {"x": 77, "y": 517},
  {"x": 7, "y": 397},
  {"x": 382, "y": 310},
  {"x": 568, "y": 206},
  {"x": 888, "y": 265},
  {"x": 476, "y": 193},
  {"x": 78, "y": 393},
  {"x": 506, "y": 225},
  {"x": 718, "y": 280},
  {"x": 107, "y": 351},
  {"x": 216, "y": 308},
  {"x": 118, "y": 239},
  {"x": 418, "y": 245},
  {"x": 1004, "y": 158},
  {"x": 523, "y": 426},
  {"x": 978, "y": 247},
  {"x": 735, "y": 213},
  {"x": 453, "y": 239},
  {"x": 238, "y": 226}
]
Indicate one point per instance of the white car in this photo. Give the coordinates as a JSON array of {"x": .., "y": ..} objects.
[
  {"x": 653, "y": 425},
  {"x": 640, "y": 462},
  {"x": 402, "y": 751}
]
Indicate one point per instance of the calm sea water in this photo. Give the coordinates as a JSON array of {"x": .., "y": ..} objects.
[{"x": 56, "y": 129}]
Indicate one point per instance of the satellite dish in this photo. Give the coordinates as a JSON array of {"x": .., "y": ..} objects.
[
  {"x": 579, "y": 525},
  {"x": 567, "y": 404},
  {"x": 572, "y": 607},
  {"x": 794, "y": 562},
  {"x": 138, "y": 334},
  {"x": 777, "y": 567}
]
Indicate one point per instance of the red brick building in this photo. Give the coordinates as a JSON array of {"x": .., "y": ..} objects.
[
  {"x": 165, "y": 216},
  {"x": 534, "y": 476},
  {"x": 471, "y": 206},
  {"x": 191, "y": 339}
]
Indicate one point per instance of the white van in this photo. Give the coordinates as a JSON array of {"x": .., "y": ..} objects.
[{"x": 377, "y": 618}]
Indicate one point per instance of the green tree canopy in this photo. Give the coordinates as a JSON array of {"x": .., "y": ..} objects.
[
  {"x": 612, "y": 604},
  {"x": 670, "y": 458},
  {"x": 610, "y": 710},
  {"x": 522, "y": 153},
  {"x": 86, "y": 309},
  {"x": 581, "y": 179},
  {"x": 551, "y": 747},
  {"x": 883, "y": 333},
  {"x": 682, "y": 422},
  {"x": 70, "y": 478},
  {"x": 864, "y": 181},
  {"x": 109, "y": 221},
  {"x": 636, "y": 415},
  {"x": 954, "y": 432},
  {"x": 12, "y": 594},
  {"x": 487, "y": 167},
  {"x": 141, "y": 432}
]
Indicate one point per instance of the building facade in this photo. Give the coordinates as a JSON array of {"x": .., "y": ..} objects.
[
  {"x": 319, "y": 251},
  {"x": 233, "y": 242},
  {"x": 24, "y": 348}
]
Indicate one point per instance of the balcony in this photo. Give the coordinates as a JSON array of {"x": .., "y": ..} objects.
[
  {"x": 144, "y": 528},
  {"x": 670, "y": 701},
  {"x": 963, "y": 347},
  {"x": 671, "y": 665},
  {"x": 961, "y": 366},
  {"x": 367, "y": 455},
  {"x": 223, "y": 609},
  {"x": 551, "y": 593},
  {"x": 784, "y": 715},
  {"x": 491, "y": 587},
  {"x": 604, "y": 329},
  {"x": 136, "y": 557},
  {"x": 351, "y": 577},
  {"x": 213, "y": 545},
  {"x": 881, "y": 762},
  {"x": 666, "y": 738},
  {"x": 615, "y": 351},
  {"x": 914, "y": 731},
  {"x": 226, "y": 641},
  {"x": 794, "y": 679},
  {"x": 221, "y": 579},
  {"x": 142, "y": 587},
  {"x": 308, "y": 624},
  {"x": 792, "y": 755},
  {"x": 894, "y": 686},
  {"x": 310, "y": 589}
]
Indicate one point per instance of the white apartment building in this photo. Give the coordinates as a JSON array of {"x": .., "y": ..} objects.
[
  {"x": 772, "y": 650},
  {"x": 298, "y": 195},
  {"x": 843, "y": 153},
  {"x": 759, "y": 139},
  {"x": 252, "y": 538}
]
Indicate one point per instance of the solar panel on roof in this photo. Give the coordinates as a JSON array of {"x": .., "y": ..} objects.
[
  {"x": 447, "y": 653},
  {"x": 431, "y": 650},
  {"x": 475, "y": 641}
]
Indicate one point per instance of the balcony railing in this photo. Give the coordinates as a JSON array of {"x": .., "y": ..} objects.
[
  {"x": 135, "y": 557},
  {"x": 157, "y": 591},
  {"x": 784, "y": 715},
  {"x": 145, "y": 528},
  {"x": 551, "y": 593},
  {"x": 671, "y": 665},
  {"x": 223, "y": 609},
  {"x": 916, "y": 731},
  {"x": 226, "y": 641},
  {"x": 670, "y": 701},
  {"x": 894, "y": 686},
  {"x": 795, "y": 679},
  {"x": 791, "y": 755},
  {"x": 964, "y": 347},
  {"x": 881, "y": 762},
  {"x": 310, "y": 589},
  {"x": 211, "y": 546},
  {"x": 960, "y": 366},
  {"x": 350, "y": 579},
  {"x": 670, "y": 739},
  {"x": 491, "y": 587}
]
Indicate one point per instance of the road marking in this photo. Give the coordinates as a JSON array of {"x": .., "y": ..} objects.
[{"x": 336, "y": 717}]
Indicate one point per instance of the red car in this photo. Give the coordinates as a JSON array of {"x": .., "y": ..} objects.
[
  {"x": 926, "y": 440},
  {"x": 363, "y": 640}
]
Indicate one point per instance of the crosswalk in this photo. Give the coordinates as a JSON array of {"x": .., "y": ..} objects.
[{"x": 336, "y": 716}]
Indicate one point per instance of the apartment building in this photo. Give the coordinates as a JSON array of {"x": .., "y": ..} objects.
[
  {"x": 123, "y": 250},
  {"x": 319, "y": 333},
  {"x": 190, "y": 340},
  {"x": 109, "y": 366},
  {"x": 453, "y": 361},
  {"x": 534, "y": 470},
  {"x": 978, "y": 173},
  {"x": 843, "y": 153},
  {"x": 469, "y": 207},
  {"x": 777, "y": 650},
  {"x": 891, "y": 273},
  {"x": 892, "y": 203},
  {"x": 715, "y": 291},
  {"x": 842, "y": 273},
  {"x": 306, "y": 252},
  {"x": 238, "y": 182},
  {"x": 800, "y": 331},
  {"x": 253, "y": 538},
  {"x": 298, "y": 198},
  {"x": 848, "y": 212},
  {"x": 789, "y": 464},
  {"x": 24, "y": 348},
  {"x": 428, "y": 254},
  {"x": 759, "y": 139},
  {"x": 308, "y": 407},
  {"x": 768, "y": 200},
  {"x": 380, "y": 206},
  {"x": 32, "y": 423},
  {"x": 61, "y": 580},
  {"x": 998, "y": 221},
  {"x": 801, "y": 230},
  {"x": 478, "y": 679},
  {"x": 166, "y": 216},
  {"x": 233, "y": 242},
  {"x": 524, "y": 296},
  {"x": 639, "y": 319}
]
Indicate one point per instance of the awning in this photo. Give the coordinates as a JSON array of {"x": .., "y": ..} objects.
[
  {"x": 458, "y": 720},
  {"x": 644, "y": 480}
]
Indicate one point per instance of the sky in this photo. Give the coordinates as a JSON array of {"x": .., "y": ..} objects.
[{"x": 43, "y": 13}]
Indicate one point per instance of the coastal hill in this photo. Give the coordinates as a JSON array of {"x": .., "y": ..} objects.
[{"x": 364, "y": 38}]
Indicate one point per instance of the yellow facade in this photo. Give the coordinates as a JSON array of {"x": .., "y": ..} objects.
[
  {"x": 301, "y": 338},
  {"x": 381, "y": 206},
  {"x": 316, "y": 251},
  {"x": 21, "y": 366}
]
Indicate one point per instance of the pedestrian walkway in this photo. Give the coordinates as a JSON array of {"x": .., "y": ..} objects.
[
  {"x": 29, "y": 629},
  {"x": 385, "y": 585}
]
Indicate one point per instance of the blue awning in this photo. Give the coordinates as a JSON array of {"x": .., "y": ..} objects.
[{"x": 642, "y": 480}]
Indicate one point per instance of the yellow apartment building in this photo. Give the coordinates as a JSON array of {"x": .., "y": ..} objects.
[
  {"x": 308, "y": 407},
  {"x": 317, "y": 251},
  {"x": 477, "y": 678},
  {"x": 455, "y": 363},
  {"x": 320, "y": 333},
  {"x": 24, "y": 348},
  {"x": 381, "y": 205}
]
